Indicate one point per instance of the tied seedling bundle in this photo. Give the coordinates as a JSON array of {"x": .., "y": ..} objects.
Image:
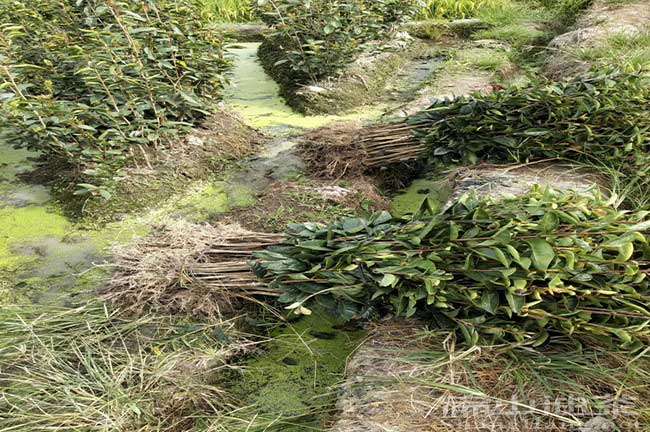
[
  {"x": 602, "y": 117},
  {"x": 598, "y": 117},
  {"x": 517, "y": 270}
]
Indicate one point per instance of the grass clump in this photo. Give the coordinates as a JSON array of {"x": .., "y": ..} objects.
[
  {"x": 520, "y": 270},
  {"x": 229, "y": 11},
  {"x": 481, "y": 58},
  {"x": 566, "y": 11},
  {"x": 457, "y": 9},
  {"x": 89, "y": 369},
  {"x": 517, "y": 23},
  {"x": 631, "y": 52},
  {"x": 95, "y": 85}
]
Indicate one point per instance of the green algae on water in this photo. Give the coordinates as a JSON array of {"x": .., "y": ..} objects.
[
  {"x": 437, "y": 191},
  {"x": 254, "y": 95},
  {"x": 208, "y": 199},
  {"x": 297, "y": 373}
]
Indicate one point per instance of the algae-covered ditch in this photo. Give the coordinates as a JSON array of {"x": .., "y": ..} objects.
[{"x": 361, "y": 216}]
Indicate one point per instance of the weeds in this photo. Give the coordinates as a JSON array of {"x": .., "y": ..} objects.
[
  {"x": 566, "y": 11},
  {"x": 457, "y": 9},
  {"x": 632, "y": 53},
  {"x": 484, "y": 59},
  {"x": 519, "y": 24},
  {"x": 229, "y": 11},
  {"x": 89, "y": 369}
]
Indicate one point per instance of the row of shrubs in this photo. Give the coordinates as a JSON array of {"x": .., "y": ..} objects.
[
  {"x": 92, "y": 83},
  {"x": 313, "y": 39}
]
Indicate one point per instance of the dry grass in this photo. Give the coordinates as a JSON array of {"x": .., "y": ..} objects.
[
  {"x": 407, "y": 378},
  {"x": 187, "y": 268},
  {"x": 90, "y": 369}
]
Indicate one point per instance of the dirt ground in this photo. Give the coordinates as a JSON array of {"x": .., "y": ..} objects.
[
  {"x": 406, "y": 378},
  {"x": 601, "y": 22}
]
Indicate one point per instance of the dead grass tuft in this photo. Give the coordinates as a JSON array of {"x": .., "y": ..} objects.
[{"x": 407, "y": 378}]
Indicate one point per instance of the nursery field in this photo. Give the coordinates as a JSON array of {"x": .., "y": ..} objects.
[{"x": 324, "y": 215}]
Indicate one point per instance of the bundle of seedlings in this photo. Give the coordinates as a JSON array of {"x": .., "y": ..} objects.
[
  {"x": 517, "y": 270},
  {"x": 189, "y": 269},
  {"x": 599, "y": 117}
]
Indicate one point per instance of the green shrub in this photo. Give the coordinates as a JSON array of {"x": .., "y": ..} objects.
[
  {"x": 313, "y": 39},
  {"x": 456, "y": 9},
  {"x": 93, "y": 83}
]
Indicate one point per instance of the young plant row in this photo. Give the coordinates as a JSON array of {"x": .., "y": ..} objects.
[
  {"x": 313, "y": 39},
  {"x": 93, "y": 84},
  {"x": 519, "y": 270}
]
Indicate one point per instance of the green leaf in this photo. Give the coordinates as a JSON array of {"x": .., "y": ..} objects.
[
  {"x": 353, "y": 225},
  {"x": 543, "y": 253},
  {"x": 388, "y": 280},
  {"x": 490, "y": 301},
  {"x": 549, "y": 222},
  {"x": 516, "y": 302}
]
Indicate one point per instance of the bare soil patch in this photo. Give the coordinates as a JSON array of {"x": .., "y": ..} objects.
[{"x": 601, "y": 22}]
